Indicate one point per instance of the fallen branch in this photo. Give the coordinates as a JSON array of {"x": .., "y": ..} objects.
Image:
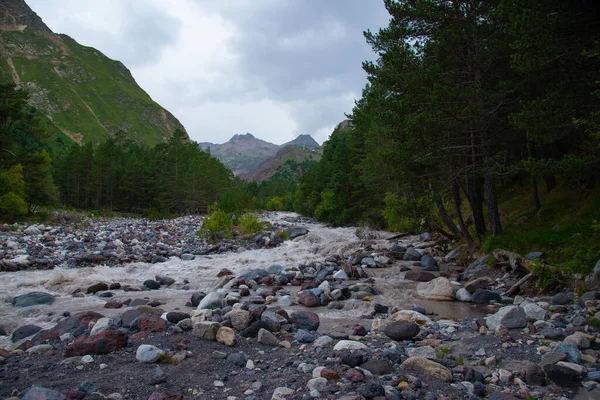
[
  {"x": 520, "y": 283},
  {"x": 399, "y": 236}
]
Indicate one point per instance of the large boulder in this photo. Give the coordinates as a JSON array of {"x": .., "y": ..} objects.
[
  {"x": 511, "y": 317},
  {"x": 103, "y": 343},
  {"x": 437, "y": 289},
  {"x": 32, "y": 299},
  {"x": 305, "y": 320},
  {"x": 477, "y": 268},
  {"x": 483, "y": 296},
  {"x": 296, "y": 231},
  {"x": 412, "y": 255},
  {"x": 428, "y": 367},
  {"x": 401, "y": 330},
  {"x": 419, "y": 276},
  {"x": 211, "y": 301},
  {"x": 429, "y": 263},
  {"x": 593, "y": 279}
]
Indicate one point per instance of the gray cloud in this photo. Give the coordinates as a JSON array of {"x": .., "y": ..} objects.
[{"x": 275, "y": 68}]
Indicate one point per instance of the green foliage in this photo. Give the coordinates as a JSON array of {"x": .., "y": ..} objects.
[
  {"x": 12, "y": 206},
  {"x": 236, "y": 200},
  {"x": 283, "y": 234},
  {"x": 218, "y": 223},
  {"x": 249, "y": 224}
]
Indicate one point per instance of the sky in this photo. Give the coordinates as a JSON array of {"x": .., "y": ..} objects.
[{"x": 273, "y": 68}]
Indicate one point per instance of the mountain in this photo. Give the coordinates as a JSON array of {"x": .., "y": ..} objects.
[
  {"x": 290, "y": 160},
  {"x": 82, "y": 94},
  {"x": 242, "y": 154},
  {"x": 303, "y": 141}
]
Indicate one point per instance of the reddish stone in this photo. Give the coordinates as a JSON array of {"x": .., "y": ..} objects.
[
  {"x": 27, "y": 344},
  {"x": 309, "y": 285},
  {"x": 359, "y": 330},
  {"x": 267, "y": 280},
  {"x": 86, "y": 317},
  {"x": 151, "y": 323},
  {"x": 113, "y": 304},
  {"x": 308, "y": 299},
  {"x": 139, "y": 335},
  {"x": 353, "y": 375},
  {"x": 4, "y": 353},
  {"x": 329, "y": 374},
  {"x": 102, "y": 343},
  {"x": 45, "y": 336},
  {"x": 295, "y": 282},
  {"x": 72, "y": 394},
  {"x": 224, "y": 272},
  {"x": 49, "y": 238}
]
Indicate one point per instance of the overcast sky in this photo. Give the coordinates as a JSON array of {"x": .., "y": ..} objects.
[{"x": 274, "y": 68}]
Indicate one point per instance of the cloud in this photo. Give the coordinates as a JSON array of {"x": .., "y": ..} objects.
[{"x": 274, "y": 68}]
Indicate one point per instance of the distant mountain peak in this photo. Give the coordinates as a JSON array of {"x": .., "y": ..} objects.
[
  {"x": 247, "y": 136},
  {"x": 303, "y": 140},
  {"x": 16, "y": 15}
]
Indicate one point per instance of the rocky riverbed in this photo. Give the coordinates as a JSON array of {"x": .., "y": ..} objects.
[{"x": 338, "y": 313}]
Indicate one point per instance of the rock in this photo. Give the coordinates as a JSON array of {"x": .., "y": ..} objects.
[
  {"x": 401, "y": 330},
  {"x": 303, "y": 336},
  {"x": 561, "y": 299},
  {"x": 371, "y": 390},
  {"x": 39, "y": 349},
  {"x": 438, "y": 289},
  {"x": 272, "y": 320},
  {"x": 412, "y": 255},
  {"x": 419, "y": 276},
  {"x": 158, "y": 376},
  {"x": 368, "y": 262},
  {"x": 425, "y": 237},
  {"x": 477, "y": 268},
  {"x": 103, "y": 343},
  {"x": 175, "y": 317},
  {"x": 579, "y": 339},
  {"x": 159, "y": 259},
  {"x": 317, "y": 384},
  {"x": 463, "y": 294},
  {"x": 296, "y": 231},
  {"x": 282, "y": 393},
  {"x": 101, "y": 325},
  {"x": 323, "y": 341},
  {"x": 510, "y": 317},
  {"x": 429, "y": 263},
  {"x": 97, "y": 287},
  {"x": 350, "y": 345},
  {"x": 593, "y": 278},
  {"x": 553, "y": 333},
  {"x": 254, "y": 275},
  {"x": 148, "y": 354},
  {"x": 188, "y": 257},
  {"x": 226, "y": 336},
  {"x": 340, "y": 275},
  {"x": 483, "y": 296},
  {"x": 410, "y": 315},
  {"x": 552, "y": 358},
  {"x": 196, "y": 298},
  {"x": 570, "y": 350},
  {"x": 206, "y": 330},
  {"x": 305, "y": 320},
  {"x": 535, "y": 375},
  {"x": 253, "y": 329},
  {"x": 423, "y": 352},
  {"x": 240, "y": 319},
  {"x": 151, "y": 323},
  {"x": 378, "y": 367},
  {"x": 151, "y": 284},
  {"x": 164, "y": 280},
  {"x": 534, "y": 311},
  {"x": 479, "y": 283},
  {"x": 237, "y": 359},
  {"x": 32, "y": 299},
  {"x": 266, "y": 337},
  {"x": 308, "y": 299},
  {"x": 211, "y": 301},
  {"x": 561, "y": 375},
  {"x": 275, "y": 269},
  {"x": 535, "y": 255},
  {"x": 428, "y": 367},
  {"x": 579, "y": 369},
  {"x": 41, "y": 393},
  {"x": 592, "y": 295},
  {"x": 24, "y": 331}
]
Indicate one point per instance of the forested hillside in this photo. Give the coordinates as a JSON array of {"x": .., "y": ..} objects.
[{"x": 470, "y": 104}]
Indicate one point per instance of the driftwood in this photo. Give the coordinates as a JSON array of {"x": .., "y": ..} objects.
[
  {"x": 399, "y": 236},
  {"x": 520, "y": 283}
]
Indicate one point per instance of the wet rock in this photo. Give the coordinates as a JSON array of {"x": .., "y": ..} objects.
[
  {"x": 224, "y": 272},
  {"x": 438, "y": 289},
  {"x": 412, "y": 255},
  {"x": 24, "y": 331},
  {"x": 175, "y": 316},
  {"x": 419, "y": 276},
  {"x": 32, "y": 299},
  {"x": 196, "y": 298},
  {"x": 113, "y": 304},
  {"x": 428, "y": 367},
  {"x": 296, "y": 231},
  {"x": 305, "y": 320},
  {"x": 159, "y": 259},
  {"x": 151, "y": 284},
  {"x": 401, "y": 330},
  {"x": 103, "y": 343},
  {"x": 148, "y": 354},
  {"x": 483, "y": 296},
  {"x": 510, "y": 317},
  {"x": 164, "y": 280}
]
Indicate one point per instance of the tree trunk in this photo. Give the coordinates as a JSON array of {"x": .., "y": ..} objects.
[
  {"x": 457, "y": 206},
  {"x": 442, "y": 210}
]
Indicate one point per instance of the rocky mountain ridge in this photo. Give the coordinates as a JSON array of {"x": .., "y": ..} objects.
[
  {"x": 82, "y": 94},
  {"x": 244, "y": 153}
]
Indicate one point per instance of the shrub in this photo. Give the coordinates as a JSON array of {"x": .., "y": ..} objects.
[
  {"x": 249, "y": 224},
  {"x": 283, "y": 235},
  {"x": 217, "y": 224},
  {"x": 12, "y": 205}
]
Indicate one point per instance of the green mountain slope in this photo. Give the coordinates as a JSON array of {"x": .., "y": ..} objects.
[
  {"x": 82, "y": 94},
  {"x": 290, "y": 160}
]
